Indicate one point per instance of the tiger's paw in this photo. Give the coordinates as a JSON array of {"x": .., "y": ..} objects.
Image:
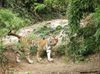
[
  {"x": 51, "y": 60},
  {"x": 18, "y": 61},
  {"x": 39, "y": 59},
  {"x": 30, "y": 61}
]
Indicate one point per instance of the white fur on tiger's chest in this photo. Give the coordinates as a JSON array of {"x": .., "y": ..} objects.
[{"x": 47, "y": 46}]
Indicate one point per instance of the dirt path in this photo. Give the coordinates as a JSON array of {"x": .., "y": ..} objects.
[{"x": 59, "y": 66}]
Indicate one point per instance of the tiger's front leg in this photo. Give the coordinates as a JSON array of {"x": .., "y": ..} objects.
[
  {"x": 28, "y": 59},
  {"x": 48, "y": 51},
  {"x": 49, "y": 55},
  {"x": 18, "y": 58}
]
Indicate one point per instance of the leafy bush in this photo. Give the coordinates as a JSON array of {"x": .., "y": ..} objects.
[
  {"x": 57, "y": 5},
  {"x": 59, "y": 27},
  {"x": 73, "y": 48},
  {"x": 86, "y": 41},
  {"x": 22, "y": 7},
  {"x": 43, "y": 31},
  {"x": 33, "y": 50},
  {"x": 2, "y": 49},
  {"x": 83, "y": 44},
  {"x": 39, "y": 7},
  {"x": 61, "y": 50},
  {"x": 96, "y": 21},
  {"x": 89, "y": 46},
  {"x": 26, "y": 8},
  {"x": 3, "y": 58},
  {"x": 31, "y": 36},
  {"x": 87, "y": 31},
  {"x": 9, "y": 21}
]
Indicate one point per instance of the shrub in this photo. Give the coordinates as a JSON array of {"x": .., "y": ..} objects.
[
  {"x": 9, "y": 21},
  {"x": 33, "y": 50},
  {"x": 39, "y": 7},
  {"x": 57, "y": 5},
  {"x": 3, "y": 59},
  {"x": 61, "y": 50},
  {"x": 84, "y": 43},
  {"x": 2, "y": 49},
  {"x": 96, "y": 21},
  {"x": 87, "y": 32},
  {"x": 43, "y": 31},
  {"x": 59, "y": 27}
]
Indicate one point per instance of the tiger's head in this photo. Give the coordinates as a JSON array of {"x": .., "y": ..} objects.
[{"x": 53, "y": 41}]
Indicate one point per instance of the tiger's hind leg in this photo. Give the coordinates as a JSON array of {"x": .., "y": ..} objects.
[
  {"x": 18, "y": 58},
  {"x": 27, "y": 55},
  {"x": 28, "y": 59}
]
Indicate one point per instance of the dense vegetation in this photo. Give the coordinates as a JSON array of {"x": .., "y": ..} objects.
[
  {"x": 83, "y": 40},
  {"x": 36, "y": 9}
]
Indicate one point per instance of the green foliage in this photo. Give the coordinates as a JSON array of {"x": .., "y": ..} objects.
[
  {"x": 96, "y": 17},
  {"x": 86, "y": 41},
  {"x": 96, "y": 21},
  {"x": 87, "y": 31},
  {"x": 76, "y": 10},
  {"x": 33, "y": 50},
  {"x": 59, "y": 27},
  {"x": 89, "y": 46},
  {"x": 3, "y": 58},
  {"x": 59, "y": 6},
  {"x": 29, "y": 8},
  {"x": 97, "y": 3},
  {"x": 48, "y": 2},
  {"x": 80, "y": 47},
  {"x": 43, "y": 31},
  {"x": 74, "y": 15},
  {"x": 73, "y": 48},
  {"x": 31, "y": 36},
  {"x": 9, "y": 21},
  {"x": 39, "y": 7},
  {"x": 61, "y": 50},
  {"x": 22, "y": 7},
  {"x": 2, "y": 48}
]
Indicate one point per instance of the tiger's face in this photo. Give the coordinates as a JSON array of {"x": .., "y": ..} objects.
[{"x": 53, "y": 41}]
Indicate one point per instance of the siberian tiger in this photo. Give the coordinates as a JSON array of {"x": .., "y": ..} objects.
[{"x": 43, "y": 44}]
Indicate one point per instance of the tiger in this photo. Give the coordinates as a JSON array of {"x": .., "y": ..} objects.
[
  {"x": 42, "y": 43},
  {"x": 46, "y": 44},
  {"x": 24, "y": 46}
]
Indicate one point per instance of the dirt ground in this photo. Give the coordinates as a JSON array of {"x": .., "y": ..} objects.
[{"x": 59, "y": 66}]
